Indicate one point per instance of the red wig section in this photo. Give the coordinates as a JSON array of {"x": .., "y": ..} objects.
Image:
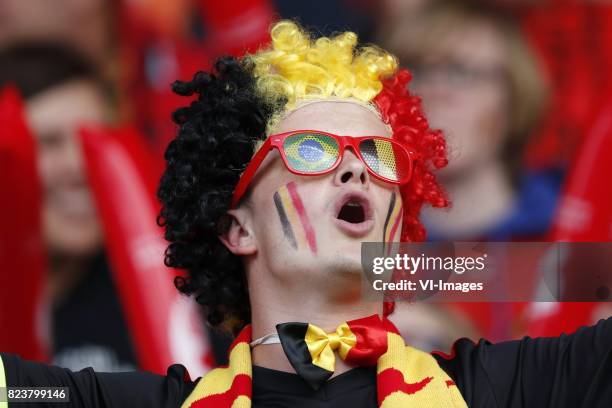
[{"x": 403, "y": 112}]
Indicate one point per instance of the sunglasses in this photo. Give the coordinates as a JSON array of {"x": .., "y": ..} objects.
[{"x": 313, "y": 153}]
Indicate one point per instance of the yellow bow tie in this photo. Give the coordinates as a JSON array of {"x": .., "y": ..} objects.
[
  {"x": 322, "y": 345},
  {"x": 310, "y": 349}
]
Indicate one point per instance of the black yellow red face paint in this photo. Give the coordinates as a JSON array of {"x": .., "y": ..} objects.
[
  {"x": 392, "y": 220},
  {"x": 293, "y": 217},
  {"x": 282, "y": 214}
]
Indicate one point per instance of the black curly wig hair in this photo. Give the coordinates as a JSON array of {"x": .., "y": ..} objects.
[{"x": 215, "y": 142}]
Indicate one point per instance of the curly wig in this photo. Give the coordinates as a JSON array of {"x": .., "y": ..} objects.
[{"x": 235, "y": 107}]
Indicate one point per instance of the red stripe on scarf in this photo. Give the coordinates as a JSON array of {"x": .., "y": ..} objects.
[
  {"x": 392, "y": 380},
  {"x": 389, "y": 326},
  {"x": 243, "y": 337},
  {"x": 241, "y": 385}
]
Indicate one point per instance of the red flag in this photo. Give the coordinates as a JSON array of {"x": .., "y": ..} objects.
[
  {"x": 165, "y": 326},
  {"x": 584, "y": 216},
  {"x": 24, "y": 307},
  {"x": 571, "y": 37}
]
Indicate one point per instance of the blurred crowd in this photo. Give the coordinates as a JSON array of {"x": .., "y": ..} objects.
[{"x": 520, "y": 89}]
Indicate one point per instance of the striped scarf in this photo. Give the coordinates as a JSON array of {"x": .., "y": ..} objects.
[{"x": 406, "y": 377}]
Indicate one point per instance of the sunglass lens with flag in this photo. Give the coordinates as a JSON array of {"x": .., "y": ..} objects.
[
  {"x": 311, "y": 152},
  {"x": 385, "y": 158},
  {"x": 317, "y": 153}
]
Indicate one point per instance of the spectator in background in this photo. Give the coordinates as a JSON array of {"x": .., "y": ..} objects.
[
  {"x": 84, "y": 24},
  {"x": 481, "y": 85},
  {"x": 62, "y": 91}
]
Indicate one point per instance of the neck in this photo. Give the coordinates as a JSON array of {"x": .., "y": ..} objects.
[
  {"x": 479, "y": 199},
  {"x": 65, "y": 272},
  {"x": 269, "y": 308}
]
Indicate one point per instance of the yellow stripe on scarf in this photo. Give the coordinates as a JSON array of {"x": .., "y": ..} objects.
[
  {"x": 220, "y": 380},
  {"x": 419, "y": 371},
  {"x": 242, "y": 402}
]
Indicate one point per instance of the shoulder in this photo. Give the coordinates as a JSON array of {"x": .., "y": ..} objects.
[
  {"x": 230, "y": 384},
  {"x": 92, "y": 389},
  {"x": 539, "y": 370}
]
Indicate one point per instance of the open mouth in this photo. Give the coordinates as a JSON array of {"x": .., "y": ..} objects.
[{"x": 352, "y": 212}]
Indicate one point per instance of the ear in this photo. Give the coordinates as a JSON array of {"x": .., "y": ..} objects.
[{"x": 238, "y": 238}]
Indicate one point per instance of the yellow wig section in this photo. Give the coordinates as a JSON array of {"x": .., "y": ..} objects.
[{"x": 298, "y": 67}]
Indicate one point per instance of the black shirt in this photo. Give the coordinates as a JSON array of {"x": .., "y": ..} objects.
[
  {"x": 89, "y": 329},
  {"x": 566, "y": 372},
  {"x": 276, "y": 389}
]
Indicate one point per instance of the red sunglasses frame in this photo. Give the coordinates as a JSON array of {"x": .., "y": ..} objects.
[{"x": 277, "y": 141}]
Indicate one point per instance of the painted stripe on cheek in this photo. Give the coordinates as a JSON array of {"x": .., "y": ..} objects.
[
  {"x": 299, "y": 207},
  {"x": 292, "y": 217},
  {"x": 388, "y": 217},
  {"x": 393, "y": 220},
  {"x": 396, "y": 224},
  {"x": 287, "y": 230}
]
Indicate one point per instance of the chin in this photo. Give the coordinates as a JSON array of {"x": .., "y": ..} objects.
[
  {"x": 79, "y": 244},
  {"x": 342, "y": 264}
]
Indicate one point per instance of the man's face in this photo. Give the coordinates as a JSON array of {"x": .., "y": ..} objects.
[
  {"x": 69, "y": 218},
  {"x": 465, "y": 93},
  {"x": 309, "y": 229}
]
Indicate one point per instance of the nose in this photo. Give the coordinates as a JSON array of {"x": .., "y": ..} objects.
[
  {"x": 351, "y": 170},
  {"x": 72, "y": 160}
]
